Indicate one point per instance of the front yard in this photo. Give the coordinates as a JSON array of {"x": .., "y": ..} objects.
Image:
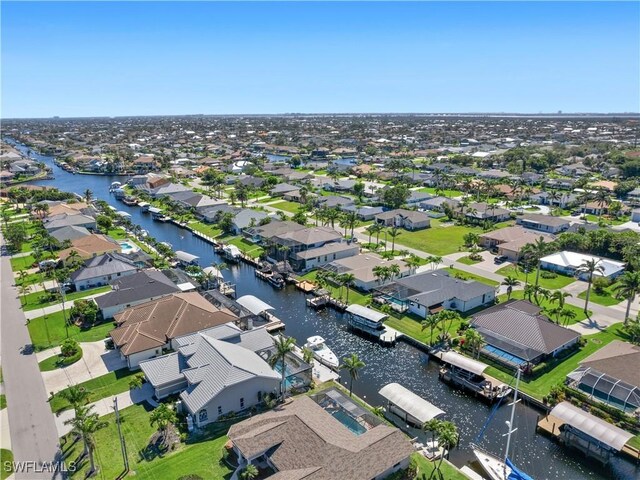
[
  {"x": 32, "y": 301},
  {"x": 202, "y": 457},
  {"x": 544, "y": 303},
  {"x": 606, "y": 298},
  {"x": 556, "y": 283},
  {"x": 49, "y": 331},
  {"x": 461, "y": 274},
  {"x": 291, "y": 207}
]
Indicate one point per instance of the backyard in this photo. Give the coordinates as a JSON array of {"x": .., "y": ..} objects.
[
  {"x": 202, "y": 457},
  {"x": 49, "y": 331},
  {"x": 291, "y": 207},
  {"x": 340, "y": 293},
  {"x": 541, "y": 386}
]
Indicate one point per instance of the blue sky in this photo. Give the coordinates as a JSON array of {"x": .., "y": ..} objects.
[{"x": 86, "y": 59}]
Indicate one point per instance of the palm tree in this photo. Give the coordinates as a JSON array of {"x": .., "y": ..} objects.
[
  {"x": 23, "y": 291},
  {"x": 601, "y": 197},
  {"x": 627, "y": 288},
  {"x": 435, "y": 261},
  {"x": 88, "y": 195},
  {"x": 430, "y": 322},
  {"x": 432, "y": 426},
  {"x": 510, "y": 282},
  {"x": 559, "y": 297},
  {"x": 283, "y": 346},
  {"x": 352, "y": 364},
  {"x": 590, "y": 267},
  {"x": 475, "y": 340},
  {"x": 75, "y": 395},
  {"x": 394, "y": 271},
  {"x": 393, "y": 233},
  {"x": 163, "y": 416},
  {"x": 74, "y": 259},
  {"x": 537, "y": 249},
  {"x": 86, "y": 423},
  {"x": 347, "y": 280},
  {"x": 413, "y": 262},
  {"x": 567, "y": 314},
  {"x": 249, "y": 472},
  {"x": 448, "y": 438},
  {"x": 136, "y": 382}
]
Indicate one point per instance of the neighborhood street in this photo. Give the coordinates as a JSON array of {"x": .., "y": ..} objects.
[{"x": 34, "y": 436}]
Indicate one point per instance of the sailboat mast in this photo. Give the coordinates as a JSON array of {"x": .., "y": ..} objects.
[{"x": 513, "y": 413}]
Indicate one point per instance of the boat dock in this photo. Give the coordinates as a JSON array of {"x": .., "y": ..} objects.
[
  {"x": 318, "y": 302},
  {"x": 305, "y": 285}
]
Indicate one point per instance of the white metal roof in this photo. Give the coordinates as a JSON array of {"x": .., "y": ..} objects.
[
  {"x": 367, "y": 313},
  {"x": 254, "y": 304},
  {"x": 154, "y": 210},
  {"x": 464, "y": 363},
  {"x": 591, "y": 425},
  {"x": 213, "y": 270},
  {"x": 186, "y": 256},
  {"x": 414, "y": 405}
]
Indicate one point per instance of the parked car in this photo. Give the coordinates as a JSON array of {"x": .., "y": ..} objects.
[{"x": 500, "y": 259}]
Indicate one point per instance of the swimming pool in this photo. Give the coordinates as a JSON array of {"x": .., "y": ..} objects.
[
  {"x": 347, "y": 420},
  {"x": 504, "y": 356},
  {"x": 126, "y": 247}
]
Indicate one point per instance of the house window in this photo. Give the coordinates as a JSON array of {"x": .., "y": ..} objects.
[
  {"x": 242, "y": 402},
  {"x": 219, "y": 410},
  {"x": 203, "y": 415}
]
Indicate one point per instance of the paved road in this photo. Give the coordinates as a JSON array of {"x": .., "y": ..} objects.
[{"x": 34, "y": 436}]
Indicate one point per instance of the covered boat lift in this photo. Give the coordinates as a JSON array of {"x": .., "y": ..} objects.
[
  {"x": 186, "y": 258},
  {"x": 469, "y": 374},
  {"x": 409, "y": 406},
  {"x": 586, "y": 432},
  {"x": 464, "y": 363},
  {"x": 254, "y": 304}
]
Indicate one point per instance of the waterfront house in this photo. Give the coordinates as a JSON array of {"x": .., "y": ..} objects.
[
  {"x": 69, "y": 233},
  {"x": 58, "y": 208},
  {"x": 132, "y": 290},
  {"x": 144, "y": 331},
  {"x": 401, "y": 218},
  {"x": 567, "y": 263},
  {"x": 262, "y": 234},
  {"x": 99, "y": 271},
  {"x": 53, "y": 223},
  {"x": 543, "y": 223},
  {"x": 283, "y": 188},
  {"x": 432, "y": 291},
  {"x": 606, "y": 376},
  {"x": 215, "y": 377},
  {"x": 246, "y": 218},
  {"x": 437, "y": 204},
  {"x": 90, "y": 246},
  {"x": 321, "y": 438},
  {"x": 317, "y": 257},
  {"x": 516, "y": 334},
  {"x": 145, "y": 164},
  {"x": 362, "y": 267},
  {"x": 302, "y": 240}
]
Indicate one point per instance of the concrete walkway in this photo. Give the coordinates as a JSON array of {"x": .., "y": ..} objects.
[
  {"x": 5, "y": 436},
  {"x": 22, "y": 254},
  {"x": 39, "y": 312},
  {"x": 105, "y": 406},
  {"x": 96, "y": 361}
]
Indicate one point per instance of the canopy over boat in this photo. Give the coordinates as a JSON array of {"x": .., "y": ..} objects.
[
  {"x": 409, "y": 402},
  {"x": 465, "y": 363},
  {"x": 254, "y": 304}
]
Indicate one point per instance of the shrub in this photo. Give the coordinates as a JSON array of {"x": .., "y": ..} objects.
[
  {"x": 548, "y": 275},
  {"x": 69, "y": 347},
  {"x": 600, "y": 284}
]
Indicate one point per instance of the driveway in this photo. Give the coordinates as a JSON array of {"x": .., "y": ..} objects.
[{"x": 96, "y": 361}]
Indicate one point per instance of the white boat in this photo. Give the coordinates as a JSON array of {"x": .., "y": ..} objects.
[
  {"x": 115, "y": 186},
  {"x": 231, "y": 253},
  {"x": 501, "y": 468},
  {"x": 321, "y": 352}
]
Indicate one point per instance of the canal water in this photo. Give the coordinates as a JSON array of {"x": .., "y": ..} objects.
[{"x": 540, "y": 457}]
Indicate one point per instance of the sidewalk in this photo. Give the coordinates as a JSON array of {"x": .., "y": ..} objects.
[
  {"x": 39, "y": 312},
  {"x": 105, "y": 406}
]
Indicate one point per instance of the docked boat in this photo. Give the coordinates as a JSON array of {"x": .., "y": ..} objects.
[
  {"x": 502, "y": 468},
  {"x": 231, "y": 253},
  {"x": 321, "y": 352},
  {"x": 144, "y": 206},
  {"x": 469, "y": 374},
  {"x": 129, "y": 200},
  {"x": 114, "y": 186}
]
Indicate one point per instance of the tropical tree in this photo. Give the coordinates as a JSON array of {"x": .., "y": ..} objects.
[
  {"x": 161, "y": 417},
  {"x": 567, "y": 314},
  {"x": 347, "y": 280},
  {"x": 475, "y": 340},
  {"x": 537, "y": 250},
  {"x": 249, "y": 472},
  {"x": 393, "y": 232},
  {"x": 632, "y": 328},
  {"x": 75, "y": 395},
  {"x": 559, "y": 297},
  {"x": 136, "y": 381},
  {"x": 352, "y": 364},
  {"x": 307, "y": 355},
  {"x": 510, "y": 282},
  {"x": 283, "y": 346},
  {"x": 590, "y": 267},
  {"x": 627, "y": 288},
  {"x": 87, "y": 195},
  {"x": 413, "y": 262},
  {"x": 430, "y": 322},
  {"x": 448, "y": 437},
  {"x": 86, "y": 423},
  {"x": 432, "y": 426}
]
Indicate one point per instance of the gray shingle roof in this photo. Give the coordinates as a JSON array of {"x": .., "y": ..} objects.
[
  {"x": 103, "y": 265},
  {"x": 139, "y": 286}
]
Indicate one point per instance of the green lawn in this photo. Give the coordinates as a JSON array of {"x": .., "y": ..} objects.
[
  {"x": 471, "y": 276},
  {"x": 251, "y": 249},
  {"x": 201, "y": 458},
  {"x": 54, "y": 362},
  {"x": 32, "y": 300},
  {"x": 607, "y": 298},
  {"x": 437, "y": 240},
  {"x": 22, "y": 263},
  {"x": 341, "y": 293},
  {"x": 580, "y": 315},
  {"x": 542, "y": 385},
  {"x": 292, "y": 207},
  {"x": 3, "y": 401},
  {"x": 49, "y": 331},
  {"x": 6, "y": 457},
  {"x": 208, "y": 229},
  {"x": 99, "y": 387},
  {"x": 468, "y": 261},
  {"x": 556, "y": 283},
  {"x": 117, "y": 233},
  {"x": 424, "y": 468},
  {"x": 446, "y": 193},
  {"x": 30, "y": 279},
  {"x": 411, "y": 325}
]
